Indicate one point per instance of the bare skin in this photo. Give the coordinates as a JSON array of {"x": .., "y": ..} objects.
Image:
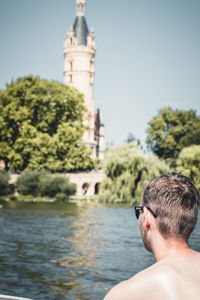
[{"x": 174, "y": 276}]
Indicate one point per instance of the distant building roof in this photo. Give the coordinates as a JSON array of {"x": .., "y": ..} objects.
[{"x": 81, "y": 30}]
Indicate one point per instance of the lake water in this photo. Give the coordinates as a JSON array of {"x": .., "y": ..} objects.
[{"x": 69, "y": 251}]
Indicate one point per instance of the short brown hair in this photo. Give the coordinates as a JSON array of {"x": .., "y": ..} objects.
[{"x": 175, "y": 201}]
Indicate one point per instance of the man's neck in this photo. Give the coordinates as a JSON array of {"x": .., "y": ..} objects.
[{"x": 169, "y": 248}]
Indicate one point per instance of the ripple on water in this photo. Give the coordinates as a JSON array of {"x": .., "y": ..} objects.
[{"x": 52, "y": 251}]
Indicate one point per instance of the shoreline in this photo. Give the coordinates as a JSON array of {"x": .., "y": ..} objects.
[
  {"x": 6, "y": 201},
  {"x": 31, "y": 199}
]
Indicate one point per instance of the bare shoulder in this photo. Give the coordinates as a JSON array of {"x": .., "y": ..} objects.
[
  {"x": 171, "y": 277},
  {"x": 141, "y": 286}
]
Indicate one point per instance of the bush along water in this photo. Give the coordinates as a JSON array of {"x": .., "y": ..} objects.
[
  {"x": 5, "y": 187},
  {"x": 43, "y": 184}
]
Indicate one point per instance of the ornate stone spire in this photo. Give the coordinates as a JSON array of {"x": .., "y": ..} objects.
[
  {"x": 80, "y": 24},
  {"x": 80, "y": 7}
]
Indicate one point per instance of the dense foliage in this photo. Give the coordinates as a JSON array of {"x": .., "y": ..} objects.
[
  {"x": 4, "y": 183},
  {"x": 28, "y": 183},
  {"x": 188, "y": 163},
  {"x": 41, "y": 127},
  {"x": 172, "y": 130},
  {"x": 127, "y": 171},
  {"x": 40, "y": 183}
]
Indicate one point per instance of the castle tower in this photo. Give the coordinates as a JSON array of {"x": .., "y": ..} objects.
[{"x": 79, "y": 54}]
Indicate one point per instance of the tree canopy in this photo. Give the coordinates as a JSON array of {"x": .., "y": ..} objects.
[
  {"x": 188, "y": 163},
  {"x": 41, "y": 126},
  {"x": 172, "y": 130}
]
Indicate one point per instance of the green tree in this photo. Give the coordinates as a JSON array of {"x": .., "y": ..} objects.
[
  {"x": 41, "y": 126},
  {"x": 172, "y": 130},
  {"x": 127, "y": 171},
  {"x": 188, "y": 163}
]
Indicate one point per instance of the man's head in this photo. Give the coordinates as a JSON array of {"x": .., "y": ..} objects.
[{"x": 174, "y": 199}]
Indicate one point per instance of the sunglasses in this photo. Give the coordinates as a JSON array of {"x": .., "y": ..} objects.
[{"x": 140, "y": 208}]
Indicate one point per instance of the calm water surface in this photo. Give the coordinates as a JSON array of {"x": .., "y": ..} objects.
[{"x": 69, "y": 251}]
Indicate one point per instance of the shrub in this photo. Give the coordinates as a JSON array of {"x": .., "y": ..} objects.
[
  {"x": 28, "y": 183},
  {"x": 42, "y": 183},
  {"x": 69, "y": 189},
  {"x": 4, "y": 185},
  {"x": 13, "y": 198},
  {"x": 12, "y": 188},
  {"x": 61, "y": 197},
  {"x": 51, "y": 185}
]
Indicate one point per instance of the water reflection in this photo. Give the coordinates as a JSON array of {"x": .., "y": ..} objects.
[
  {"x": 69, "y": 251},
  {"x": 81, "y": 257},
  {"x": 37, "y": 237},
  {"x": 51, "y": 246}
]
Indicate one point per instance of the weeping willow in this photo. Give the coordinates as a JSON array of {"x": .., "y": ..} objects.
[{"x": 127, "y": 170}]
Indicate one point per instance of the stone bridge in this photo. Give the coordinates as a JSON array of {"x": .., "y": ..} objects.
[{"x": 87, "y": 183}]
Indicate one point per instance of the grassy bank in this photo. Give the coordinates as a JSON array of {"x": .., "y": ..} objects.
[{"x": 30, "y": 198}]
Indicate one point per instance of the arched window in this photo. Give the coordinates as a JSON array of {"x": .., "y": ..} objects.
[
  {"x": 85, "y": 188},
  {"x": 97, "y": 188}
]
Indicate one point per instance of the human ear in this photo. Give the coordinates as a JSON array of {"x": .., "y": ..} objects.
[{"x": 146, "y": 221}]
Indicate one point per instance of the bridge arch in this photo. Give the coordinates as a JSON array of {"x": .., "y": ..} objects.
[
  {"x": 85, "y": 188},
  {"x": 97, "y": 188}
]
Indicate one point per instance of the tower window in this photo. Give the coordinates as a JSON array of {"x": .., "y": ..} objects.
[
  {"x": 91, "y": 66},
  {"x": 71, "y": 66}
]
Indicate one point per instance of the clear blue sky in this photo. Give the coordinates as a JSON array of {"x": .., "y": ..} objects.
[{"x": 147, "y": 54}]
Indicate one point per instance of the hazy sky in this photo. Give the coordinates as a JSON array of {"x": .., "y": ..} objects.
[{"x": 147, "y": 54}]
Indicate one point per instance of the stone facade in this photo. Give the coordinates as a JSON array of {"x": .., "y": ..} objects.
[
  {"x": 79, "y": 58},
  {"x": 87, "y": 183}
]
